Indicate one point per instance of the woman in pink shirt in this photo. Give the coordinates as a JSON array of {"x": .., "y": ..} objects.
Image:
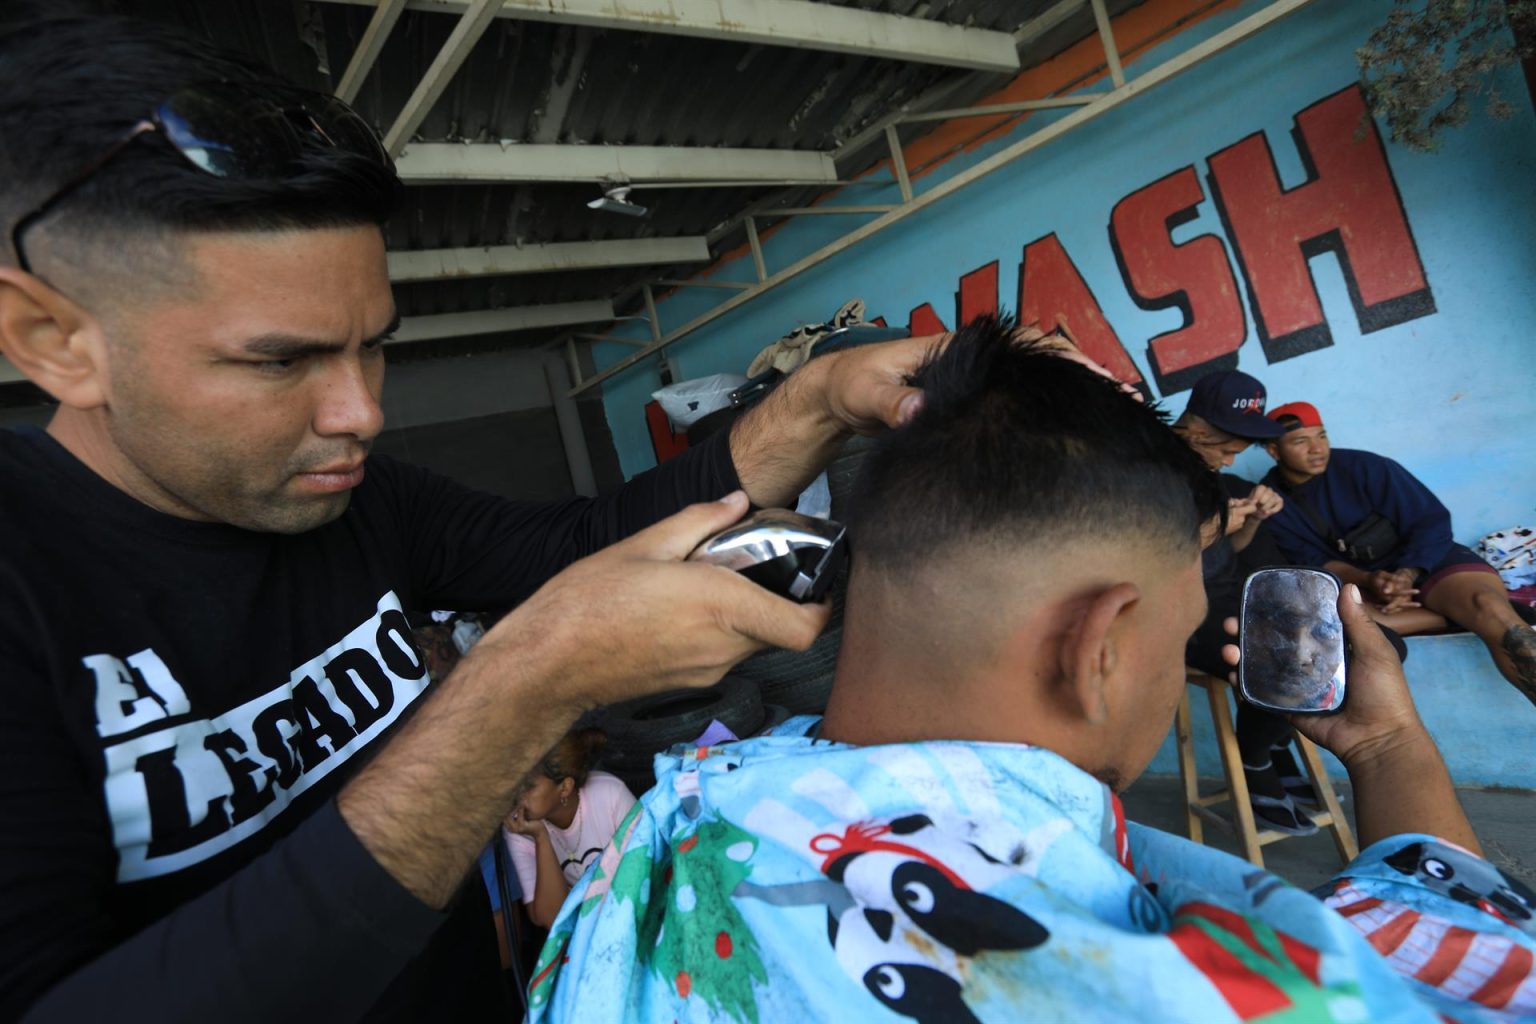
[{"x": 566, "y": 816}]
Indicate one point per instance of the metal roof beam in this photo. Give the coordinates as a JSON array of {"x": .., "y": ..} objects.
[
  {"x": 1261, "y": 19},
  {"x": 443, "y": 163},
  {"x": 797, "y": 23},
  {"x": 1034, "y": 30},
  {"x": 369, "y": 47},
  {"x": 476, "y": 18},
  {"x": 497, "y": 321},
  {"x": 445, "y": 264}
]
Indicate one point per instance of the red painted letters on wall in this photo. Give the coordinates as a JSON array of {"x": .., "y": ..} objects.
[
  {"x": 1349, "y": 205},
  {"x": 1194, "y": 277}
]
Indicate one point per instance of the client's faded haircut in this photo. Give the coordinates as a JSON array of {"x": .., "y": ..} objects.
[{"x": 1014, "y": 445}]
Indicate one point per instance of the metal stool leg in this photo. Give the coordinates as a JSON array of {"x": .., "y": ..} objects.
[
  {"x": 1338, "y": 824},
  {"x": 1184, "y": 738}
]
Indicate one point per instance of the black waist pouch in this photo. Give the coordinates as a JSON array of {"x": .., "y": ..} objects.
[{"x": 1371, "y": 541}]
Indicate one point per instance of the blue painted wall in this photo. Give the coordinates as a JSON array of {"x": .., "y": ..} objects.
[{"x": 1451, "y": 395}]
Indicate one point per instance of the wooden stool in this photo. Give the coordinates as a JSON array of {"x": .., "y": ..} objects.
[{"x": 1241, "y": 822}]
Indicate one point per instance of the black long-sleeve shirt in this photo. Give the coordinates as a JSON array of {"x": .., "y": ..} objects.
[{"x": 181, "y": 703}]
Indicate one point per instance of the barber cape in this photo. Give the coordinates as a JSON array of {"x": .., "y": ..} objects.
[{"x": 789, "y": 879}]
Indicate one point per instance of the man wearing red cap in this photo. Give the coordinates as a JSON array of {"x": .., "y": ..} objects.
[{"x": 1369, "y": 521}]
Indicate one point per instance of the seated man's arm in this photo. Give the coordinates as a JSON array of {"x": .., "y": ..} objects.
[{"x": 1423, "y": 521}]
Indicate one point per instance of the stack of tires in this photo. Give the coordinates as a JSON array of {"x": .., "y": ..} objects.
[{"x": 640, "y": 729}]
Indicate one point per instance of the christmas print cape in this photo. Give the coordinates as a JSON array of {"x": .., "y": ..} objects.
[{"x": 787, "y": 879}]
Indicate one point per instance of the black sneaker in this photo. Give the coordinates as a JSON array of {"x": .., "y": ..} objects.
[
  {"x": 1297, "y": 786},
  {"x": 1282, "y": 815}
]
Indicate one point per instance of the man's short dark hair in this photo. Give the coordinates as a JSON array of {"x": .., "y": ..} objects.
[
  {"x": 71, "y": 85},
  {"x": 1014, "y": 445}
]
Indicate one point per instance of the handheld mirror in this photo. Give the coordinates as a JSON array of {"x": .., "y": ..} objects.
[{"x": 1292, "y": 642}]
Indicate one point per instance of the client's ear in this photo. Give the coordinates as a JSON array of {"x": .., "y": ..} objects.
[
  {"x": 55, "y": 342},
  {"x": 1091, "y": 650}
]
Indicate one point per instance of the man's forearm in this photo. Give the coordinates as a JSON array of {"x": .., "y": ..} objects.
[
  {"x": 1405, "y": 787},
  {"x": 425, "y": 806},
  {"x": 781, "y": 444},
  {"x": 550, "y": 887},
  {"x": 246, "y": 950}
]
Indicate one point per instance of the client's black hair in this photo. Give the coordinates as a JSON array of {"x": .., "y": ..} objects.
[
  {"x": 1016, "y": 445},
  {"x": 73, "y": 84}
]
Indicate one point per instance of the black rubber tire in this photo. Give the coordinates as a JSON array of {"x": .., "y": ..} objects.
[
  {"x": 801, "y": 681},
  {"x": 640, "y": 729},
  {"x": 844, "y": 472},
  {"x": 654, "y": 723}
]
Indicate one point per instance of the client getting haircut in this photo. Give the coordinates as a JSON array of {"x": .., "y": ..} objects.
[{"x": 1054, "y": 453}]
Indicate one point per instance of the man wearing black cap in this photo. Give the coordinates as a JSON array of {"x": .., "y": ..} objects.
[{"x": 1225, "y": 415}]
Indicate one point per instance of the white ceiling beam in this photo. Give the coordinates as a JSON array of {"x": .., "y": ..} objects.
[
  {"x": 1257, "y": 22},
  {"x": 498, "y": 321},
  {"x": 369, "y": 47},
  {"x": 1034, "y": 29},
  {"x": 445, "y": 264},
  {"x": 475, "y": 19},
  {"x": 796, "y": 23},
  {"x": 442, "y": 163}
]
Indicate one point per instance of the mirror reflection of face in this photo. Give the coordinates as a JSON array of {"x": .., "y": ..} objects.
[{"x": 1293, "y": 640}]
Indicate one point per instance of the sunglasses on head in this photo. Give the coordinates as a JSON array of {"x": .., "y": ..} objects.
[{"x": 242, "y": 133}]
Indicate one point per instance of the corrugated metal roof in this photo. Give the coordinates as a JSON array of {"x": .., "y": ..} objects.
[{"x": 538, "y": 82}]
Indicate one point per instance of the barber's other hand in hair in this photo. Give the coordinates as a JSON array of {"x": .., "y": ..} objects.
[
  {"x": 780, "y": 445},
  {"x": 635, "y": 618},
  {"x": 1399, "y": 778}
]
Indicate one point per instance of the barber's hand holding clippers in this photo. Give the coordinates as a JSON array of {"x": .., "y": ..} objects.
[
  {"x": 1399, "y": 778},
  {"x": 664, "y": 623}
]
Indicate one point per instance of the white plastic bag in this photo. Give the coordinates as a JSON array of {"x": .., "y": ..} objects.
[{"x": 689, "y": 401}]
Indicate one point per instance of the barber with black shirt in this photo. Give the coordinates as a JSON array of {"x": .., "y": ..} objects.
[{"x": 227, "y": 791}]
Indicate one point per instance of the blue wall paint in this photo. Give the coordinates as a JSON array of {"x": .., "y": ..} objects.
[{"x": 1450, "y": 395}]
